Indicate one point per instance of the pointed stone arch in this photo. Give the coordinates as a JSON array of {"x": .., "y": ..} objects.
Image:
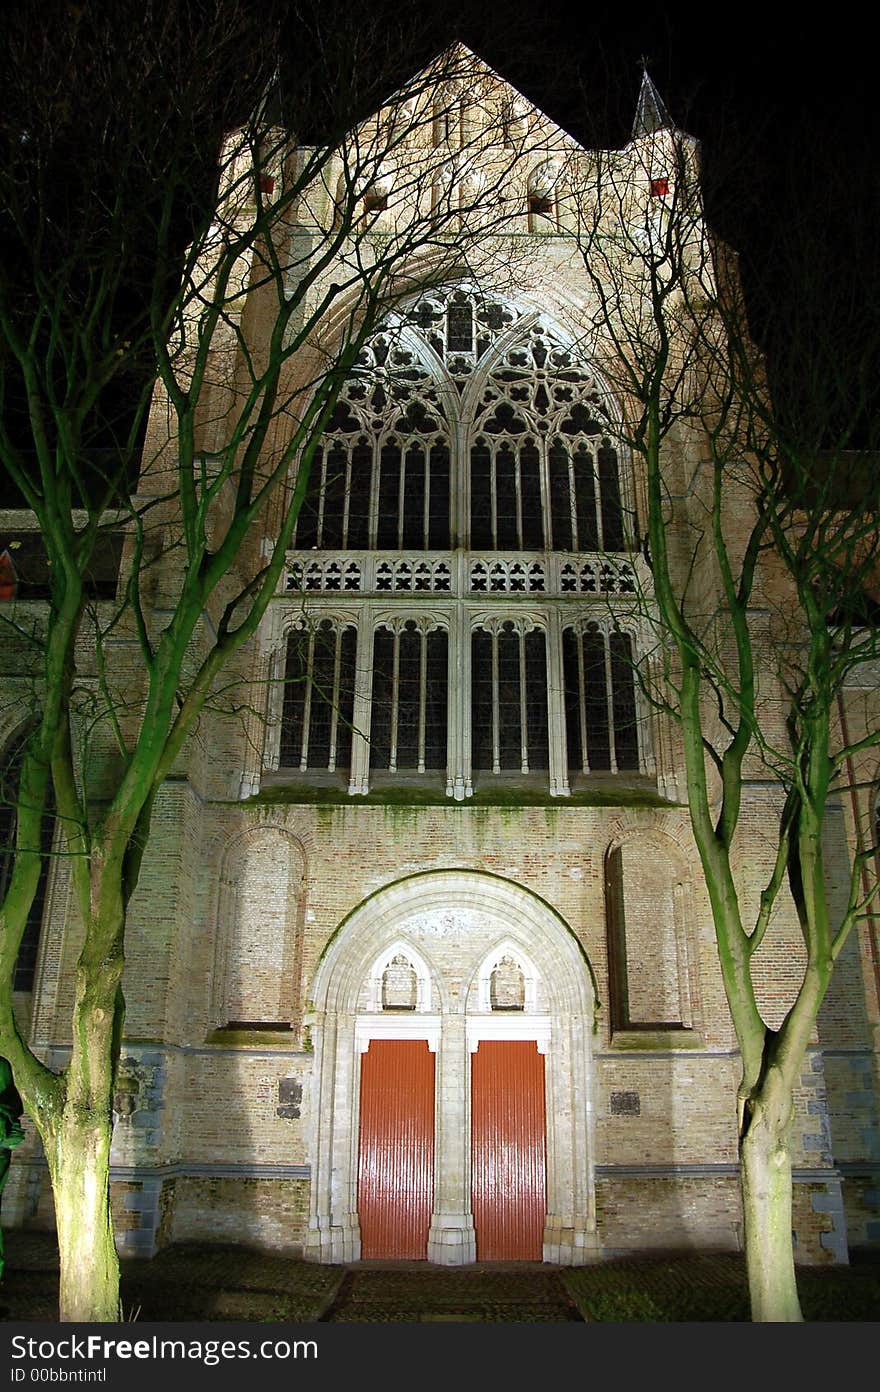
[{"x": 457, "y": 923}]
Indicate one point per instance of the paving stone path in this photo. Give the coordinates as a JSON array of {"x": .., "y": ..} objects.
[{"x": 378, "y": 1294}]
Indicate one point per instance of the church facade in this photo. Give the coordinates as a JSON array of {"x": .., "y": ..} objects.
[{"x": 421, "y": 964}]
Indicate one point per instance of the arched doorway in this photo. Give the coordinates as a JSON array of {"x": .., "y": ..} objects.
[{"x": 486, "y": 997}]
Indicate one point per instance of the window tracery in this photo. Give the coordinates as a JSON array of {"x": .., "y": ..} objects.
[{"x": 470, "y": 460}]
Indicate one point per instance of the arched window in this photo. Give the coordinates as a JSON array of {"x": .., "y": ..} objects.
[
  {"x": 600, "y": 703},
  {"x": 318, "y": 697},
  {"x": 10, "y": 775},
  {"x": 409, "y": 713},
  {"x": 509, "y": 726},
  {"x": 467, "y": 507}
]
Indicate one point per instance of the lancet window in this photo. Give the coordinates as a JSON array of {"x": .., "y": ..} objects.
[{"x": 467, "y": 509}]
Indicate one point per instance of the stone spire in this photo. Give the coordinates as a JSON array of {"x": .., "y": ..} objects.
[{"x": 651, "y": 113}]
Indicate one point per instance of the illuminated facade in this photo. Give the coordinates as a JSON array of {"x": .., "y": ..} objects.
[{"x": 437, "y": 885}]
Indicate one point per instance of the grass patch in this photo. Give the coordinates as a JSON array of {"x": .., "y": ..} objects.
[{"x": 697, "y": 1288}]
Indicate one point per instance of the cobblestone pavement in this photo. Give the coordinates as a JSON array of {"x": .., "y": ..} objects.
[{"x": 475, "y": 1294}]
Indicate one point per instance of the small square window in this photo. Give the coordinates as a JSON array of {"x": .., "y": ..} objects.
[
  {"x": 375, "y": 202},
  {"x": 660, "y": 187}
]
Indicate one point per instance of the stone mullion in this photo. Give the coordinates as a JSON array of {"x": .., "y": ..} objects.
[
  {"x": 559, "y": 783},
  {"x": 359, "y": 779}
]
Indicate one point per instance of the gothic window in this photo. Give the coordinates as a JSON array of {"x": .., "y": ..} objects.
[
  {"x": 371, "y": 487},
  {"x": 509, "y": 726},
  {"x": 10, "y": 774},
  {"x": 318, "y": 697},
  {"x": 600, "y": 704},
  {"x": 408, "y": 727},
  {"x": 467, "y": 508}
]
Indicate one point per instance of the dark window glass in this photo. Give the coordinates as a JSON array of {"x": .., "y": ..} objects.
[
  {"x": 481, "y": 699},
  {"x": 573, "y": 699},
  {"x": 460, "y": 334},
  {"x": 382, "y": 704},
  {"x": 334, "y": 497},
  {"x": 414, "y": 499},
  {"x": 612, "y": 509},
  {"x": 560, "y": 498},
  {"x": 506, "y": 529},
  {"x": 596, "y": 701},
  {"x": 389, "y": 499},
  {"x": 585, "y": 497},
  {"x": 409, "y": 698},
  {"x": 536, "y": 700},
  {"x": 530, "y": 490},
  {"x": 626, "y": 740},
  {"x": 436, "y": 700},
  {"x": 359, "y": 497},
  {"x": 321, "y": 698},
  {"x": 481, "y": 499},
  {"x": 509, "y": 702},
  {"x": 307, "y": 522},
  {"x": 438, "y": 520},
  {"x": 347, "y": 656},
  {"x": 295, "y": 686}
]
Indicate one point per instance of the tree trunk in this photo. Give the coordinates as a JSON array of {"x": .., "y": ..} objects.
[
  {"x": 765, "y": 1169},
  {"x": 89, "y": 1283}
]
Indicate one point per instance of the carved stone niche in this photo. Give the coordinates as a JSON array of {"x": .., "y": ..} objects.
[
  {"x": 507, "y": 987},
  {"x": 399, "y": 985}
]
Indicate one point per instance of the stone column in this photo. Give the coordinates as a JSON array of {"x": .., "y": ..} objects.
[{"x": 451, "y": 1237}]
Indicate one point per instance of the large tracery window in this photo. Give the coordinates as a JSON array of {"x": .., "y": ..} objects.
[{"x": 494, "y": 633}]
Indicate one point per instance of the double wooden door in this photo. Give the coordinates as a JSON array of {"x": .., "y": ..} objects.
[{"x": 396, "y": 1149}]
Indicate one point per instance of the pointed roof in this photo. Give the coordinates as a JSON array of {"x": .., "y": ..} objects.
[{"x": 651, "y": 113}]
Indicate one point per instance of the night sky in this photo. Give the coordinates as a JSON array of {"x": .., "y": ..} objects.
[
  {"x": 788, "y": 116},
  {"x": 786, "y": 112}
]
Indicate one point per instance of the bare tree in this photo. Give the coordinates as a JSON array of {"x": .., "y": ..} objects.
[
  {"x": 760, "y": 563},
  {"x": 247, "y": 287}
]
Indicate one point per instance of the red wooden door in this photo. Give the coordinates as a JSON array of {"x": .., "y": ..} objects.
[
  {"x": 396, "y": 1152},
  {"x": 508, "y": 1171}
]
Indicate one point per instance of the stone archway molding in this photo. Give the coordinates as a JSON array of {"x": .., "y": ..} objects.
[{"x": 452, "y": 922}]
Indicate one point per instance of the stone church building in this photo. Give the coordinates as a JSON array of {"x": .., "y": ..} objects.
[{"x": 421, "y": 963}]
